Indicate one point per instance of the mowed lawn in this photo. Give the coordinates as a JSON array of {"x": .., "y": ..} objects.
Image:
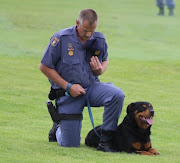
[{"x": 144, "y": 61}]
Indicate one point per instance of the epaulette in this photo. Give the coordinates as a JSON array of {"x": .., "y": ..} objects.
[
  {"x": 98, "y": 34},
  {"x": 63, "y": 32}
]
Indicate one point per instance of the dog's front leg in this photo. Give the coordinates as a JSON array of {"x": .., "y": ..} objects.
[{"x": 145, "y": 153}]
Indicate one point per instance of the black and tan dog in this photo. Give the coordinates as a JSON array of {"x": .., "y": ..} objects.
[{"x": 133, "y": 134}]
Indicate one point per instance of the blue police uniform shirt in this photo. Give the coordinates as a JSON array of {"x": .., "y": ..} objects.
[{"x": 70, "y": 58}]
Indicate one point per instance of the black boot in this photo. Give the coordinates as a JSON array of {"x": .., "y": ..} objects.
[
  {"x": 105, "y": 143},
  {"x": 171, "y": 13},
  {"x": 52, "y": 133},
  {"x": 161, "y": 11}
]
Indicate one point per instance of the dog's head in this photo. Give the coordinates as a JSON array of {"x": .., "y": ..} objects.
[{"x": 143, "y": 113}]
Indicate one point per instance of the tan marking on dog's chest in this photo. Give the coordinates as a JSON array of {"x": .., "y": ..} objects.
[
  {"x": 147, "y": 145},
  {"x": 141, "y": 146},
  {"x": 137, "y": 145}
]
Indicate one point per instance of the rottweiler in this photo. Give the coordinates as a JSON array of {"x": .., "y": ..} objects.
[{"x": 133, "y": 134}]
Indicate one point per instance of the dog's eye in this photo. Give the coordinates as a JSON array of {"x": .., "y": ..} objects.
[{"x": 143, "y": 109}]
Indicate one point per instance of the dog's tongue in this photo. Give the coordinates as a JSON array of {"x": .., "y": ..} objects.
[{"x": 149, "y": 120}]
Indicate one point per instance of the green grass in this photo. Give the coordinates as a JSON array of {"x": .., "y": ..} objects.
[{"x": 144, "y": 60}]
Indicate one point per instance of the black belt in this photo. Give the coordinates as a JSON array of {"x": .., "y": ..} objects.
[{"x": 56, "y": 93}]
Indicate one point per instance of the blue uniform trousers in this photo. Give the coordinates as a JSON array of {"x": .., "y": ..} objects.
[
  {"x": 169, "y": 3},
  {"x": 99, "y": 94}
]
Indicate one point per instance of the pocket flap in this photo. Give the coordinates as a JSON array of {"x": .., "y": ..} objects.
[{"x": 71, "y": 61}]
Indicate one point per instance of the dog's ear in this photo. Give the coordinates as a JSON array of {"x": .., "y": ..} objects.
[{"x": 130, "y": 108}]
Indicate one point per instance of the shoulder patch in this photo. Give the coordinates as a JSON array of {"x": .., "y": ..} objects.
[{"x": 54, "y": 41}]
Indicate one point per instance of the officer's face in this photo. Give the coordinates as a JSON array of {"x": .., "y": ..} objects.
[{"x": 85, "y": 31}]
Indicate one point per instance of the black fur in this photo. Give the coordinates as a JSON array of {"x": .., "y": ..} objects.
[{"x": 133, "y": 134}]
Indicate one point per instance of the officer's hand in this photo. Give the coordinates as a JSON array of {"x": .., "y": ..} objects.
[
  {"x": 76, "y": 90},
  {"x": 96, "y": 65}
]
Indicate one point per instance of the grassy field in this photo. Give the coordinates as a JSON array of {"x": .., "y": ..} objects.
[{"x": 144, "y": 57}]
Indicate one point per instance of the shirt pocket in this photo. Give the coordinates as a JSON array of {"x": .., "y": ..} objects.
[{"x": 71, "y": 70}]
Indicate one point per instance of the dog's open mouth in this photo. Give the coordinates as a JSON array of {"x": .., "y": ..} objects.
[{"x": 147, "y": 120}]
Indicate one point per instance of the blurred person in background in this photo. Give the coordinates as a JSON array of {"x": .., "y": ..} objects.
[{"x": 169, "y": 3}]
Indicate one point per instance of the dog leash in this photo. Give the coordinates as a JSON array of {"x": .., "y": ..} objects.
[{"x": 92, "y": 121}]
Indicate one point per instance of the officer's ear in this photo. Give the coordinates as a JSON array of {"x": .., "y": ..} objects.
[{"x": 77, "y": 23}]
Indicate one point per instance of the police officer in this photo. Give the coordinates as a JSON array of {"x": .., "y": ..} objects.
[
  {"x": 72, "y": 62},
  {"x": 169, "y": 3}
]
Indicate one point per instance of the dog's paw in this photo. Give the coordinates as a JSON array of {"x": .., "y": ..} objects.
[
  {"x": 147, "y": 153},
  {"x": 153, "y": 151}
]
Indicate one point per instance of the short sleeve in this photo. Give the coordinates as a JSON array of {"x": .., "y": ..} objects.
[
  {"x": 52, "y": 53},
  {"x": 105, "y": 55}
]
